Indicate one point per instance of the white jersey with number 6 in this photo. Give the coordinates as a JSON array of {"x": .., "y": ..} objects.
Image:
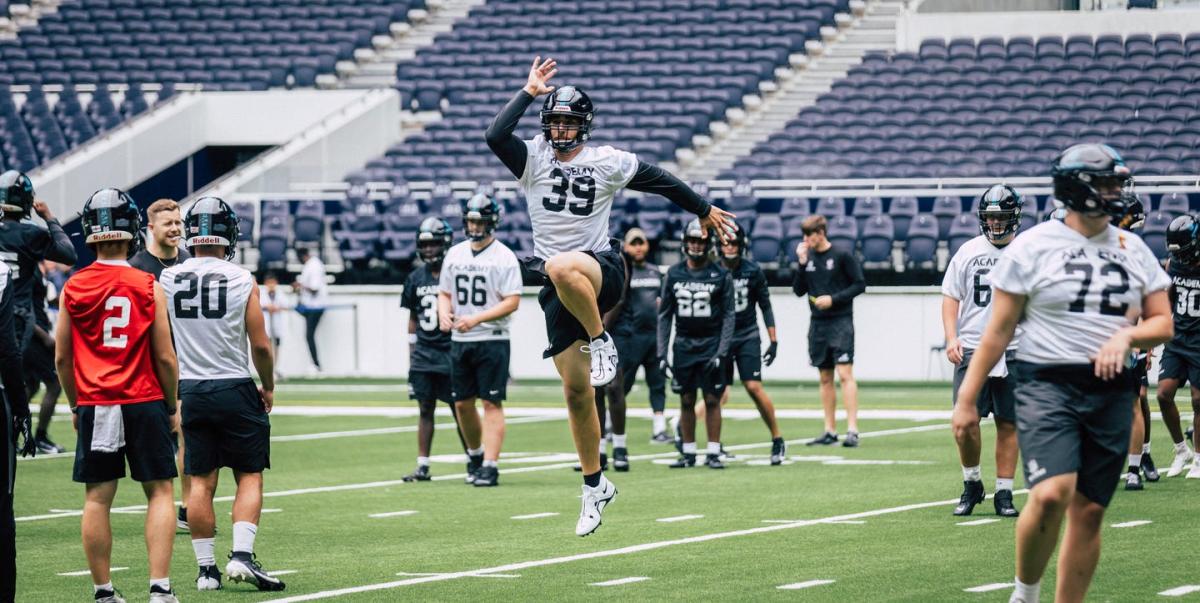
[
  {"x": 476, "y": 282},
  {"x": 967, "y": 281},
  {"x": 569, "y": 203},
  {"x": 206, "y": 299},
  {"x": 1080, "y": 291}
]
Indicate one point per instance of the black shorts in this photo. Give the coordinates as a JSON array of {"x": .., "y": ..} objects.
[
  {"x": 225, "y": 426},
  {"x": 424, "y": 386},
  {"x": 996, "y": 397},
  {"x": 479, "y": 369},
  {"x": 747, "y": 355},
  {"x": 1141, "y": 370},
  {"x": 633, "y": 351},
  {"x": 148, "y": 446},
  {"x": 1069, "y": 421},
  {"x": 38, "y": 362},
  {"x": 690, "y": 377},
  {"x": 1179, "y": 364},
  {"x": 562, "y": 328},
  {"x": 831, "y": 341}
]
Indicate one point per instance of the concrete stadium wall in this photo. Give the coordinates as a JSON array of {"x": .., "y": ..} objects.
[
  {"x": 911, "y": 28},
  {"x": 366, "y": 334}
]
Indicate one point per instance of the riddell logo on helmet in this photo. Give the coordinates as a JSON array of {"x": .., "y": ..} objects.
[
  {"x": 207, "y": 241},
  {"x": 111, "y": 235}
]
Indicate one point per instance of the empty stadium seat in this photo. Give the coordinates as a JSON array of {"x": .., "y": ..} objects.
[
  {"x": 902, "y": 211},
  {"x": 843, "y": 233},
  {"x": 878, "y": 234},
  {"x": 964, "y": 228},
  {"x": 920, "y": 246},
  {"x": 1175, "y": 204},
  {"x": 1154, "y": 232}
]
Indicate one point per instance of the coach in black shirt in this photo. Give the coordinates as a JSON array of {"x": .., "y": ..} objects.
[{"x": 831, "y": 279}]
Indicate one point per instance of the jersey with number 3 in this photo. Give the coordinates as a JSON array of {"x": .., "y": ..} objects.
[
  {"x": 206, "y": 298},
  {"x": 1185, "y": 306},
  {"x": 1079, "y": 290},
  {"x": 967, "y": 282},
  {"x": 431, "y": 354},
  {"x": 111, "y": 306},
  {"x": 569, "y": 203}
]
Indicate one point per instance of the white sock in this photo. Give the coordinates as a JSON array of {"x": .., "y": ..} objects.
[
  {"x": 660, "y": 422},
  {"x": 163, "y": 584},
  {"x": 972, "y": 474},
  {"x": 1146, "y": 448},
  {"x": 1026, "y": 593},
  {"x": 204, "y": 551},
  {"x": 618, "y": 440},
  {"x": 689, "y": 448},
  {"x": 490, "y": 463},
  {"x": 99, "y": 587},
  {"x": 243, "y": 536},
  {"x": 475, "y": 451},
  {"x": 1181, "y": 447},
  {"x": 714, "y": 448},
  {"x": 1003, "y": 483},
  {"x": 603, "y": 444},
  {"x": 1135, "y": 460},
  {"x": 422, "y": 461}
]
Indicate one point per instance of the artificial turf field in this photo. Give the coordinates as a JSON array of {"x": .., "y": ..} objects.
[{"x": 866, "y": 524}]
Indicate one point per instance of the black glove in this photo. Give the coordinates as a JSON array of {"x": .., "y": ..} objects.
[
  {"x": 772, "y": 349},
  {"x": 23, "y": 434},
  {"x": 665, "y": 366}
]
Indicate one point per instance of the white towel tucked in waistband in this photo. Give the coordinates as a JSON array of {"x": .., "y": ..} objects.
[
  {"x": 108, "y": 429},
  {"x": 1000, "y": 370}
]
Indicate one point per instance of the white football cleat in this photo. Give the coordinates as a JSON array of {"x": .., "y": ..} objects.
[
  {"x": 604, "y": 360},
  {"x": 594, "y": 502},
  {"x": 1180, "y": 462},
  {"x": 1195, "y": 471}
]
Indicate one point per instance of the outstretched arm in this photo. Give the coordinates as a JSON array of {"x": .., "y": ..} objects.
[
  {"x": 500, "y": 138},
  {"x": 650, "y": 178}
]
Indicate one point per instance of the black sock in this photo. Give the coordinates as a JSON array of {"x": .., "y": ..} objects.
[
  {"x": 592, "y": 480},
  {"x": 603, "y": 336},
  {"x": 41, "y": 434}
]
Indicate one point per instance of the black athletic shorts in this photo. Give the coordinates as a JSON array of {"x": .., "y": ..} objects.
[
  {"x": 562, "y": 329},
  {"x": 479, "y": 369},
  {"x": 1141, "y": 370},
  {"x": 38, "y": 362},
  {"x": 1069, "y": 421},
  {"x": 224, "y": 425},
  {"x": 148, "y": 446},
  {"x": 687, "y": 379},
  {"x": 424, "y": 386},
  {"x": 747, "y": 355},
  {"x": 996, "y": 397},
  {"x": 831, "y": 341},
  {"x": 1179, "y": 364}
]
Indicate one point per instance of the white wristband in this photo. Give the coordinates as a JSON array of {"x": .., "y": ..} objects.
[{"x": 412, "y": 338}]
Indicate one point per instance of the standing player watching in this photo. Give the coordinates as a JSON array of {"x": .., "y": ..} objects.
[
  {"x": 832, "y": 279},
  {"x": 698, "y": 295},
  {"x": 1076, "y": 287},
  {"x": 215, "y": 309},
  {"x": 478, "y": 288},
  {"x": 570, "y": 189},
  {"x": 429, "y": 365},
  {"x": 117, "y": 365},
  {"x": 1180, "y": 362},
  {"x": 38, "y": 362},
  {"x": 314, "y": 296},
  {"x": 15, "y": 435},
  {"x": 966, "y": 305}
]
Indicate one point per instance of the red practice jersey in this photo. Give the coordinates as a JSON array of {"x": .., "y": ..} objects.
[{"x": 112, "y": 309}]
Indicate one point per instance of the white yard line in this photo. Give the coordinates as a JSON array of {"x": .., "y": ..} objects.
[
  {"x": 1132, "y": 524},
  {"x": 439, "y": 574},
  {"x": 627, "y": 550},
  {"x": 89, "y": 572},
  {"x": 806, "y": 584},
  {"x": 534, "y": 516},
  {"x": 678, "y": 518},
  {"x": 1180, "y": 591},
  {"x": 282, "y": 572},
  {"x": 987, "y": 588},
  {"x": 978, "y": 522},
  {"x": 392, "y": 514},
  {"x": 620, "y": 581}
]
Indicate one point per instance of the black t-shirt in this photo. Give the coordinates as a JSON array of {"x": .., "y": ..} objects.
[
  {"x": 1185, "y": 305},
  {"x": 40, "y": 318},
  {"x": 148, "y": 262},
  {"x": 639, "y": 313},
  {"x": 431, "y": 354},
  {"x": 701, "y": 304},
  {"x": 750, "y": 290},
  {"x": 834, "y": 273},
  {"x": 23, "y": 246}
]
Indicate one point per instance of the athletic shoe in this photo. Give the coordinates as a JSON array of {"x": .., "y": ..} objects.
[
  {"x": 726, "y": 455},
  {"x": 109, "y": 596},
  {"x": 1002, "y": 500},
  {"x": 1194, "y": 473},
  {"x": 487, "y": 477},
  {"x": 46, "y": 446},
  {"x": 714, "y": 462},
  {"x": 826, "y": 439},
  {"x": 660, "y": 438},
  {"x": 1133, "y": 479},
  {"x": 1180, "y": 462},
  {"x": 420, "y": 474},
  {"x": 244, "y": 567},
  {"x": 603, "y": 351},
  {"x": 209, "y": 578},
  {"x": 972, "y": 495},
  {"x": 620, "y": 459},
  {"x": 594, "y": 502},
  {"x": 473, "y": 465},
  {"x": 181, "y": 524},
  {"x": 778, "y": 451},
  {"x": 687, "y": 460},
  {"x": 678, "y": 431},
  {"x": 158, "y": 595},
  {"x": 1148, "y": 468},
  {"x": 851, "y": 440}
]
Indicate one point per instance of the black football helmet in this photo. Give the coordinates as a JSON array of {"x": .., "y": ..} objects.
[
  {"x": 16, "y": 193},
  {"x": 574, "y": 103},
  {"x": 434, "y": 238},
  {"x": 482, "y": 208},
  {"x": 694, "y": 231},
  {"x": 1135, "y": 211},
  {"x": 111, "y": 215},
  {"x": 1183, "y": 240},
  {"x": 211, "y": 221},
  {"x": 1079, "y": 170},
  {"x": 1003, "y": 202},
  {"x": 738, "y": 238}
]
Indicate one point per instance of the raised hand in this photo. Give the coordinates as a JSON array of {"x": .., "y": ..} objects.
[
  {"x": 539, "y": 74},
  {"x": 720, "y": 222}
]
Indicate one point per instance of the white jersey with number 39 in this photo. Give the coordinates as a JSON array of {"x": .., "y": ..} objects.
[
  {"x": 569, "y": 203},
  {"x": 1079, "y": 290},
  {"x": 967, "y": 281},
  {"x": 206, "y": 300}
]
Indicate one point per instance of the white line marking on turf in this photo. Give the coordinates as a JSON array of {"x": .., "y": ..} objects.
[
  {"x": 1132, "y": 524},
  {"x": 848, "y": 522},
  {"x": 1180, "y": 591},
  {"x": 987, "y": 588},
  {"x": 282, "y": 572},
  {"x": 534, "y": 516},
  {"x": 977, "y": 522},
  {"x": 637, "y": 548},
  {"x": 391, "y": 514},
  {"x": 428, "y": 574},
  {"x": 620, "y": 581},
  {"x": 678, "y": 518},
  {"x": 89, "y": 572},
  {"x": 806, "y": 584}
]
